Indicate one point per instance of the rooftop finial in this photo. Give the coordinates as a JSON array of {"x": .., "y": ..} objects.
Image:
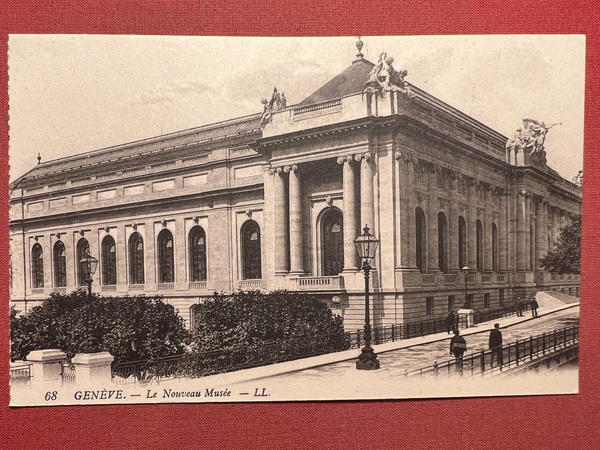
[
  {"x": 359, "y": 46},
  {"x": 39, "y": 158}
]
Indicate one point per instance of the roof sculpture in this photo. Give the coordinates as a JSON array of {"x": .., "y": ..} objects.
[
  {"x": 530, "y": 138},
  {"x": 384, "y": 78},
  {"x": 277, "y": 103}
]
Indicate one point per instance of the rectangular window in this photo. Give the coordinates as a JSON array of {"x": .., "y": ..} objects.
[
  {"x": 451, "y": 300},
  {"x": 469, "y": 302},
  {"x": 429, "y": 306},
  {"x": 501, "y": 297},
  {"x": 486, "y": 300}
]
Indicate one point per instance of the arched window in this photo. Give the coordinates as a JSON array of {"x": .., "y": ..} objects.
[
  {"x": 494, "y": 247},
  {"x": 442, "y": 242},
  {"x": 136, "y": 259},
  {"x": 83, "y": 246},
  {"x": 166, "y": 259},
  {"x": 251, "y": 252},
  {"x": 479, "y": 236},
  {"x": 109, "y": 261},
  {"x": 332, "y": 241},
  {"x": 37, "y": 266},
  {"x": 462, "y": 242},
  {"x": 421, "y": 235},
  {"x": 60, "y": 264},
  {"x": 197, "y": 250}
]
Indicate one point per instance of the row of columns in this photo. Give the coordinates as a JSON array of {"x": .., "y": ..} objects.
[
  {"x": 288, "y": 212},
  {"x": 287, "y": 185},
  {"x": 518, "y": 215}
]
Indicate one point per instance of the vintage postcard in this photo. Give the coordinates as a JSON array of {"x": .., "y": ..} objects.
[{"x": 207, "y": 219}]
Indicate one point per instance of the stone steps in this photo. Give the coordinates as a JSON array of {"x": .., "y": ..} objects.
[{"x": 549, "y": 299}]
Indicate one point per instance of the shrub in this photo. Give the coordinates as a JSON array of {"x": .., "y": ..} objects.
[
  {"x": 130, "y": 328},
  {"x": 248, "y": 319}
]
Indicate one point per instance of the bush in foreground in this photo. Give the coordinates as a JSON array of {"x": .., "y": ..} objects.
[
  {"x": 248, "y": 319},
  {"x": 130, "y": 328}
]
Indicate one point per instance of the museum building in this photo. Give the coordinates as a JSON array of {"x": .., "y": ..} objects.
[{"x": 276, "y": 200}]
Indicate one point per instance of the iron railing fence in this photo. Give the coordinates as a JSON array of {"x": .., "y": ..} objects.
[
  {"x": 20, "y": 376},
  {"x": 193, "y": 365},
  {"x": 392, "y": 333},
  {"x": 220, "y": 361},
  {"x": 495, "y": 313},
  {"x": 512, "y": 355}
]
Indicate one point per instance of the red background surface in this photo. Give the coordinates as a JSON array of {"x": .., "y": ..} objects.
[{"x": 536, "y": 422}]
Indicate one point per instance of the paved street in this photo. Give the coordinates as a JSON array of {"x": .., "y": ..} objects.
[
  {"x": 397, "y": 361},
  {"x": 334, "y": 376}
]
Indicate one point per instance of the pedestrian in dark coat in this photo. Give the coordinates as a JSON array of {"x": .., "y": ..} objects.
[
  {"x": 534, "y": 307},
  {"x": 496, "y": 344},
  {"x": 450, "y": 322},
  {"x": 519, "y": 307},
  {"x": 458, "y": 346}
]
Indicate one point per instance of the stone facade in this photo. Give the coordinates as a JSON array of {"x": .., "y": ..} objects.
[{"x": 249, "y": 205}]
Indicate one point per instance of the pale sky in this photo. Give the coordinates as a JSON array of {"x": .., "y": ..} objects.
[{"x": 69, "y": 94}]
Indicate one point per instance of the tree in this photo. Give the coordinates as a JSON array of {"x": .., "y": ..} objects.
[
  {"x": 566, "y": 255},
  {"x": 247, "y": 319},
  {"x": 130, "y": 328}
]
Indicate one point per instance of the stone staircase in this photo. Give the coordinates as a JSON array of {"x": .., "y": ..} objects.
[{"x": 549, "y": 299}]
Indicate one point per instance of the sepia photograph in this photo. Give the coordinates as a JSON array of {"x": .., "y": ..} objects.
[{"x": 251, "y": 219}]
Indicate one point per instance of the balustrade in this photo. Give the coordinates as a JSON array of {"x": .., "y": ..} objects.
[{"x": 334, "y": 282}]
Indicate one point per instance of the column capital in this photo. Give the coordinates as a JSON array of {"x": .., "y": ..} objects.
[
  {"x": 290, "y": 168},
  {"x": 365, "y": 156},
  {"x": 345, "y": 159},
  {"x": 405, "y": 155}
]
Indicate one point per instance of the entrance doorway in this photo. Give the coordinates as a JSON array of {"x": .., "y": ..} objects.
[{"x": 332, "y": 242}]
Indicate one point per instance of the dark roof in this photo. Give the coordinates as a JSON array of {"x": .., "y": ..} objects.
[
  {"x": 121, "y": 154},
  {"x": 350, "y": 81}
]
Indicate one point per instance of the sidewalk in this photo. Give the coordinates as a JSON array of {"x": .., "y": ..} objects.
[{"x": 288, "y": 367}]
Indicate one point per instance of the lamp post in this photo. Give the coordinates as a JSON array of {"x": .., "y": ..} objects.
[
  {"x": 465, "y": 271},
  {"x": 88, "y": 265},
  {"x": 366, "y": 246}
]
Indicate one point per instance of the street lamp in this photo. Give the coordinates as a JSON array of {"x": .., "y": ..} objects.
[
  {"x": 88, "y": 265},
  {"x": 465, "y": 271},
  {"x": 366, "y": 246}
]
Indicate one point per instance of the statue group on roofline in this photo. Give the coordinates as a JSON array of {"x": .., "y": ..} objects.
[
  {"x": 384, "y": 78},
  {"x": 530, "y": 137},
  {"x": 277, "y": 102}
]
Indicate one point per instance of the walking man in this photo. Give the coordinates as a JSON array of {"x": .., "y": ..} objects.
[
  {"x": 458, "y": 346},
  {"x": 519, "y": 307},
  {"x": 450, "y": 322},
  {"x": 534, "y": 307},
  {"x": 496, "y": 345}
]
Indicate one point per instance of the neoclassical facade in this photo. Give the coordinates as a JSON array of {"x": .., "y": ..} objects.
[{"x": 275, "y": 200}]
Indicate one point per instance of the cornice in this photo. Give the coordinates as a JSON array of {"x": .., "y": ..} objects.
[{"x": 163, "y": 202}]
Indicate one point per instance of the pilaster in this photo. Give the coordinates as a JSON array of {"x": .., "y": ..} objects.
[
  {"x": 521, "y": 232},
  {"x": 432, "y": 219},
  {"x": 453, "y": 225},
  {"x": 471, "y": 226}
]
